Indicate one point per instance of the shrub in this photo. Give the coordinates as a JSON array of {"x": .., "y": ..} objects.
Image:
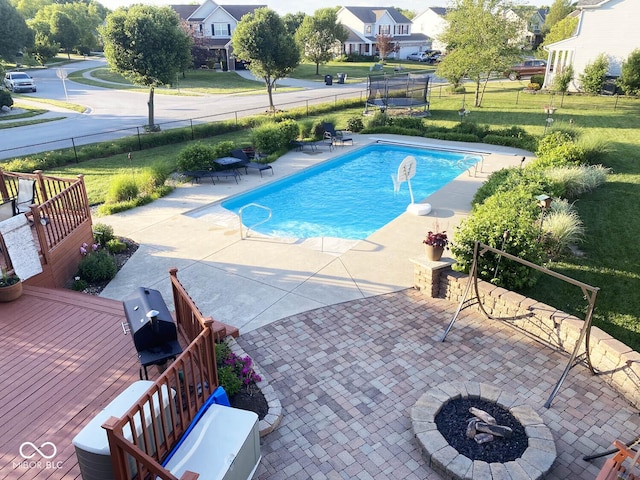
[
  {"x": 196, "y": 156},
  {"x": 272, "y": 137},
  {"x": 488, "y": 224},
  {"x": 5, "y": 98},
  {"x": 563, "y": 78},
  {"x": 457, "y": 89},
  {"x": 562, "y": 227},
  {"x": 563, "y": 155},
  {"x": 379, "y": 119},
  {"x": 355, "y": 124},
  {"x": 221, "y": 149},
  {"x": 539, "y": 79},
  {"x": 573, "y": 181},
  {"x": 102, "y": 233},
  {"x": 79, "y": 284},
  {"x": 98, "y": 266},
  {"x": 229, "y": 380},
  {"x": 115, "y": 246},
  {"x": 594, "y": 75},
  {"x": 122, "y": 187},
  {"x": 533, "y": 86},
  {"x": 289, "y": 130},
  {"x": 593, "y": 147},
  {"x": 413, "y": 123},
  {"x": 533, "y": 181},
  {"x": 629, "y": 79}
]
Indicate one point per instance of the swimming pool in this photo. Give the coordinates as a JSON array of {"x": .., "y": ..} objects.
[{"x": 350, "y": 196}]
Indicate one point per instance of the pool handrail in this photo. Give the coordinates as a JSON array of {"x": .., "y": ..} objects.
[{"x": 246, "y": 235}]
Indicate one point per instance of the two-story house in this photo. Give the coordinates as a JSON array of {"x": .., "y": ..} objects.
[
  {"x": 213, "y": 25},
  {"x": 432, "y": 23},
  {"x": 364, "y": 23},
  {"x": 597, "y": 19}
]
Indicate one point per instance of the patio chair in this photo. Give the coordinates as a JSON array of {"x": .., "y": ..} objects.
[
  {"x": 334, "y": 135},
  {"x": 247, "y": 163},
  {"x": 26, "y": 196}
]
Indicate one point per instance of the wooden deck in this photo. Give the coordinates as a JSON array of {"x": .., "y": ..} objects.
[{"x": 64, "y": 357}]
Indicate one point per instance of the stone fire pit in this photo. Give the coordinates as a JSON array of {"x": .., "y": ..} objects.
[{"x": 534, "y": 463}]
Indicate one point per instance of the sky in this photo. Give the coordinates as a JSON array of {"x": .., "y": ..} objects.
[{"x": 293, "y": 6}]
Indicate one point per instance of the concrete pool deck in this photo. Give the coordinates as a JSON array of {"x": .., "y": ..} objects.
[{"x": 253, "y": 282}]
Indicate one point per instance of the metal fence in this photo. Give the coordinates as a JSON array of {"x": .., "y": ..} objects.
[{"x": 140, "y": 131}]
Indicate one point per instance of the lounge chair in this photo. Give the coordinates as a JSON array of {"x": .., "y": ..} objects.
[
  {"x": 247, "y": 163},
  {"x": 26, "y": 196},
  {"x": 196, "y": 175},
  {"x": 334, "y": 135}
]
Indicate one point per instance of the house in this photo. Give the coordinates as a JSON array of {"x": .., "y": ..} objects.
[
  {"x": 597, "y": 19},
  {"x": 212, "y": 26},
  {"x": 364, "y": 23},
  {"x": 432, "y": 23}
]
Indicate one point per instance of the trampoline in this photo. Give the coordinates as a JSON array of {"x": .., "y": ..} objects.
[{"x": 399, "y": 91}]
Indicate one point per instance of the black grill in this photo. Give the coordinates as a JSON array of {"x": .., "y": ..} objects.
[{"x": 154, "y": 332}]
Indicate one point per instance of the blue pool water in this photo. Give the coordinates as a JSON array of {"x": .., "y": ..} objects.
[{"x": 350, "y": 196}]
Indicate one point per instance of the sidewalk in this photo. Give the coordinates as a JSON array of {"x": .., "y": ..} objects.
[{"x": 253, "y": 282}]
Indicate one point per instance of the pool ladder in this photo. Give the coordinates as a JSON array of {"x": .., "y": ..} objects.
[{"x": 246, "y": 234}]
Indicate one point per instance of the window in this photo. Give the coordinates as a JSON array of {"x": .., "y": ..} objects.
[
  {"x": 221, "y": 30},
  {"x": 368, "y": 29},
  {"x": 402, "y": 29},
  {"x": 384, "y": 29}
]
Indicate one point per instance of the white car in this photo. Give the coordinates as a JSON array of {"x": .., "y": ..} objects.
[{"x": 19, "y": 81}]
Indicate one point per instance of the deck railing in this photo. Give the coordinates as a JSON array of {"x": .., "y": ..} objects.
[
  {"x": 164, "y": 412},
  {"x": 60, "y": 212},
  {"x": 188, "y": 315}
]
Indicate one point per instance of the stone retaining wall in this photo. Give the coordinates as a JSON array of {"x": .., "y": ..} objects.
[{"x": 614, "y": 361}]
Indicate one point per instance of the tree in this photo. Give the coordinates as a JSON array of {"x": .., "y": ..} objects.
[
  {"x": 480, "y": 39},
  {"x": 385, "y": 45},
  {"x": 410, "y": 14},
  {"x": 146, "y": 45},
  {"x": 14, "y": 33},
  {"x": 292, "y": 21},
  {"x": 559, "y": 10},
  {"x": 319, "y": 36},
  {"x": 262, "y": 39},
  {"x": 629, "y": 79},
  {"x": 65, "y": 32},
  {"x": 594, "y": 74},
  {"x": 77, "y": 32},
  {"x": 43, "y": 49},
  {"x": 561, "y": 30},
  {"x": 562, "y": 79}
]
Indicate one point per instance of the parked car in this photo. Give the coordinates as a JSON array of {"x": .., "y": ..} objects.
[
  {"x": 527, "y": 68},
  {"x": 418, "y": 56},
  {"x": 19, "y": 81},
  {"x": 435, "y": 56}
]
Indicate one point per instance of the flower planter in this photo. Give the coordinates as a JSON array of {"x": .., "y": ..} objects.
[
  {"x": 11, "y": 293},
  {"x": 434, "y": 254}
]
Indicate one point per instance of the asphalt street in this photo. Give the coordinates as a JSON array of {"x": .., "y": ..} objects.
[{"x": 113, "y": 113}]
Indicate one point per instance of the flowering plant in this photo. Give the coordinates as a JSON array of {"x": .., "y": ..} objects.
[{"x": 438, "y": 239}]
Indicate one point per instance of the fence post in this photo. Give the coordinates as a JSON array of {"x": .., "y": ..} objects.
[
  {"x": 517, "y": 96},
  {"x": 307, "y": 102},
  {"x": 75, "y": 153},
  {"x": 192, "y": 134},
  {"x": 236, "y": 114},
  {"x": 139, "y": 141},
  {"x": 615, "y": 105}
]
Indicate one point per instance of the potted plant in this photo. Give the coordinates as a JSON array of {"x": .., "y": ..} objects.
[
  {"x": 435, "y": 243},
  {"x": 10, "y": 286}
]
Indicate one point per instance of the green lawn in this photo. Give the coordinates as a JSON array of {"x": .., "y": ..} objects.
[
  {"x": 611, "y": 259},
  {"x": 356, "y": 71},
  {"x": 193, "y": 82}
]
